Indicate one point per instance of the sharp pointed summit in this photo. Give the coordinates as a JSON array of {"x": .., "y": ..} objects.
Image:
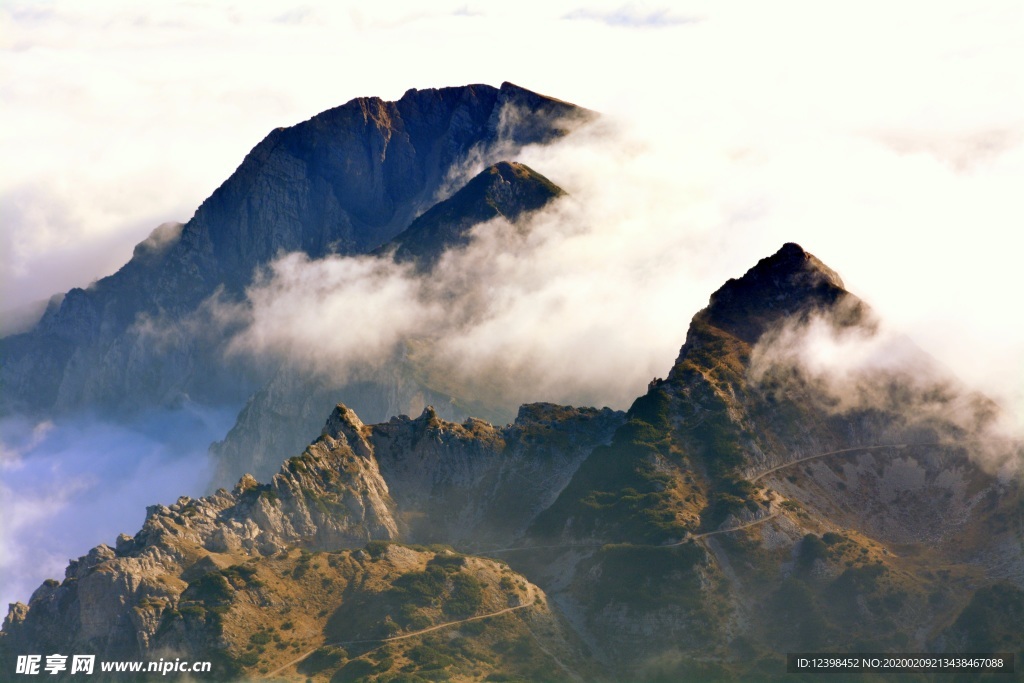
[
  {"x": 786, "y": 283},
  {"x": 506, "y": 189}
]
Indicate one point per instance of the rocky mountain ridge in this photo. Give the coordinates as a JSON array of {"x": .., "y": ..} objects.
[
  {"x": 726, "y": 518},
  {"x": 506, "y": 189},
  {"x": 118, "y": 601}
]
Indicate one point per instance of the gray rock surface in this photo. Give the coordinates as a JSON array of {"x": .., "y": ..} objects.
[{"x": 453, "y": 479}]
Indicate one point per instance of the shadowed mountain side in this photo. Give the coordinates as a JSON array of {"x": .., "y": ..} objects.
[
  {"x": 280, "y": 416},
  {"x": 682, "y": 460},
  {"x": 647, "y": 482},
  {"x": 475, "y": 484},
  {"x": 791, "y": 283},
  {"x": 507, "y": 189},
  {"x": 344, "y": 182}
]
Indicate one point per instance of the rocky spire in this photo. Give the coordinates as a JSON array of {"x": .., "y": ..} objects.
[
  {"x": 506, "y": 189},
  {"x": 788, "y": 282}
]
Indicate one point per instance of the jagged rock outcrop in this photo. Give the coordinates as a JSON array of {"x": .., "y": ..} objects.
[
  {"x": 332, "y": 496},
  {"x": 788, "y": 285},
  {"x": 476, "y": 485},
  {"x": 143, "y": 596},
  {"x": 344, "y": 182}
]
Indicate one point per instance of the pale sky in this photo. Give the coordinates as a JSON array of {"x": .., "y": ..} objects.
[{"x": 887, "y": 138}]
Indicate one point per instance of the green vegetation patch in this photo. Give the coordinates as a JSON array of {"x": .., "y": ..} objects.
[
  {"x": 241, "y": 575},
  {"x": 448, "y": 561},
  {"x": 993, "y": 621},
  {"x": 359, "y": 670},
  {"x": 376, "y": 549},
  {"x": 621, "y": 492},
  {"x": 426, "y": 658},
  {"x": 211, "y": 589},
  {"x": 466, "y": 596},
  {"x": 421, "y": 588},
  {"x": 646, "y": 577},
  {"x": 323, "y": 658}
]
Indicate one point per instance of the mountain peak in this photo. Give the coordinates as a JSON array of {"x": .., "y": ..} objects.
[
  {"x": 352, "y": 177},
  {"x": 345, "y": 181},
  {"x": 344, "y": 424},
  {"x": 507, "y": 189},
  {"x": 793, "y": 260},
  {"x": 789, "y": 282},
  {"x": 511, "y": 92}
]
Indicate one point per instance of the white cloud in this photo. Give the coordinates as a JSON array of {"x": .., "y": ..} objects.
[
  {"x": 632, "y": 15},
  {"x": 871, "y": 367},
  {"x": 334, "y": 316}
]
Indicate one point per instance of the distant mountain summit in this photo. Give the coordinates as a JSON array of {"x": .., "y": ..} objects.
[
  {"x": 351, "y": 178},
  {"x": 506, "y": 189},
  {"x": 346, "y": 181},
  {"x": 280, "y": 417}
]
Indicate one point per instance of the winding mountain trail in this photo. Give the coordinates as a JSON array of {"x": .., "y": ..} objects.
[
  {"x": 837, "y": 452},
  {"x": 688, "y": 538},
  {"x": 746, "y": 525},
  {"x": 384, "y": 641},
  {"x": 539, "y": 547},
  {"x": 726, "y": 531}
]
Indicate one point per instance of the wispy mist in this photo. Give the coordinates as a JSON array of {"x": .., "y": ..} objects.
[
  {"x": 898, "y": 165},
  {"x": 589, "y": 299},
  {"x": 68, "y": 486},
  {"x": 584, "y": 302},
  {"x": 334, "y": 316},
  {"x": 872, "y": 367}
]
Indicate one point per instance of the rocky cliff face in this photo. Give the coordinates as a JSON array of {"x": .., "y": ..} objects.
[
  {"x": 279, "y": 417},
  {"x": 734, "y": 513},
  {"x": 344, "y": 182},
  {"x": 476, "y": 485}
]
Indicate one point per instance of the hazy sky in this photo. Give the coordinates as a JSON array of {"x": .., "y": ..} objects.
[{"x": 886, "y": 138}]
